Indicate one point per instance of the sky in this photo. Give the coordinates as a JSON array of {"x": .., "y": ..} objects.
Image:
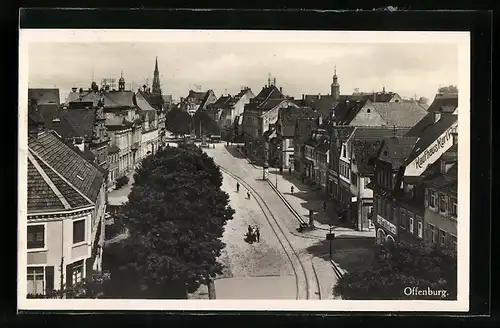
[{"x": 299, "y": 68}]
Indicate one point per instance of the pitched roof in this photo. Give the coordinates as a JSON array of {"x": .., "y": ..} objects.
[
  {"x": 397, "y": 150},
  {"x": 289, "y": 115},
  {"x": 400, "y": 114},
  {"x": 76, "y": 123},
  {"x": 342, "y": 132},
  {"x": 45, "y": 96},
  {"x": 322, "y": 103},
  {"x": 222, "y": 102},
  {"x": 364, "y": 152},
  {"x": 347, "y": 109},
  {"x": 268, "y": 98},
  {"x": 141, "y": 102},
  {"x": 48, "y": 112},
  {"x": 444, "y": 104},
  {"x": 316, "y": 137},
  {"x": 443, "y": 181},
  {"x": 303, "y": 129},
  {"x": 68, "y": 162},
  {"x": 428, "y": 131},
  {"x": 196, "y": 95},
  {"x": 114, "y": 99},
  {"x": 376, "y": 96},
  {"x": 377, "y": 132},
  {"x": 85, "y": 96}
]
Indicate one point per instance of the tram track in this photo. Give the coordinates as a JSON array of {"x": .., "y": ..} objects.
[{"x": 298, "y": 267}]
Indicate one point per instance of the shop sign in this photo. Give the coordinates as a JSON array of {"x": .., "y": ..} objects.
[
  {"x": 386, "y": 224},
  {"x": 432, "y": 153}
]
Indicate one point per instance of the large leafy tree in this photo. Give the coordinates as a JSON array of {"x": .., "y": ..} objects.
[
  {"x": 176, "y": 215},
  {"x": 399, "y": 266},
  {"x": 178, "y": 121}
]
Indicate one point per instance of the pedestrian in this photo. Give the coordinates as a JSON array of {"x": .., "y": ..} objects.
[
  {"x": 257, "y": 234},
  {"x": 291, "y": 189},
  {"x": 290, "y": 170},
  {"x": 324, "y": 205},
  {"x": 237, "y": 187},
  {"x": 248, "y": 195},
  {"x": 249, "y": 230}
]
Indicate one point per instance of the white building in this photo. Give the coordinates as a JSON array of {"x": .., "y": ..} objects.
[{"x": 66, "y": 207}]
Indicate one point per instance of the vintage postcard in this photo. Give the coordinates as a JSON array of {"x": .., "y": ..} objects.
[{"x": 243, "y": 170}]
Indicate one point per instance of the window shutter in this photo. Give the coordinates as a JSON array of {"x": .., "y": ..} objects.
[
  {"x": 427, "y": 233},
  {"x": 49, "y": 280},
  {"x": 69, "y": 275},
  {"x": 88, "y": 267},
  {"x": 426, "y": 197}
]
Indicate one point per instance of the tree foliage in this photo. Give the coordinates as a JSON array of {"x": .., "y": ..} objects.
[
  {"x": 178, "y": 121},
  {"x": 208, "y": 125},
  {"x": 176, "y": 215},
  {"x": 399, "y": 266},
  {"x": 448, "y": 89},
  {"x": 423, "y": 100}
]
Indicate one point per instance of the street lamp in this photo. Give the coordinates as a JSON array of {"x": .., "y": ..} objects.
[
  {"x": 278, "y": 150},
  {"x": 330, "y": 236}
]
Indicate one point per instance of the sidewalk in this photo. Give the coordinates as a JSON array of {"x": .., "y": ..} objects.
[{"x": 305, "y": 199}]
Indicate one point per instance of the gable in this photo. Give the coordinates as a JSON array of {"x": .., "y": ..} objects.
[{"x": 368, "y": 116}]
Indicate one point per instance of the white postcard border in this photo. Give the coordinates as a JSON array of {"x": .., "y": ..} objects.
[{"x": 462, "y": 39}]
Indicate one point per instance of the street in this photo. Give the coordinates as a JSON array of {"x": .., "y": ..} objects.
[{"x": 278, "y": 243}]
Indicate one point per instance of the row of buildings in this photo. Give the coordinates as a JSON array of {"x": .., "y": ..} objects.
[
  {"x": 388, "y": 164},
  {"x": 77, "y": 149}
]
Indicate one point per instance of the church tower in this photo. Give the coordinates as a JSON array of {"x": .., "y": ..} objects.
[
  {"x": 335, "y": 86},
  {"x": 156, "y": 79},
  {"x": 121, "y": 83}
]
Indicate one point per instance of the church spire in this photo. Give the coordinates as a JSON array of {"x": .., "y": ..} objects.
[
  {"x": 335, "y": 86},
  {"x": 156, "y": 79}
]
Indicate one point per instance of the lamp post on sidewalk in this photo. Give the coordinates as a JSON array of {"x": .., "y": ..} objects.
[
  {"x": 330, "y": 236},
  {"x": 278, "y": 150}
]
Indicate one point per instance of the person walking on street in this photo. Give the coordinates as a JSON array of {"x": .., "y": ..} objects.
[
  {"x": 248, "y": 195},
  {"x": 324, "y": 205},
  {"x": 290, "y": 170},
  {"x": 291, "y": 189},
  {"x": 257, "y": 234},
  {"x": 237, "y": 187}
]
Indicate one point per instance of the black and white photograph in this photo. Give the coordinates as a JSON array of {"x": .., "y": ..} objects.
[{"x": 233, "y": 170}]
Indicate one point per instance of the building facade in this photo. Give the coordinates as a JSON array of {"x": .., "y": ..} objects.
[{"x": 66, "y": 208}]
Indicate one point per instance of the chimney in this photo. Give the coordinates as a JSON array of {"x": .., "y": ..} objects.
[
  {"x": 73, "y": 89},
  {"x": 281, "y": 89},
  {"x": 437, "y": 116},
  {"x": 81, "y": 90},
  {"x": 319, "y": 95},
  {"x": 303, "y": 97},
  {"x": 78, "y": 142}
]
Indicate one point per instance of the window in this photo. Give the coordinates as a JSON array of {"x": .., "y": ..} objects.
[
  {"x": 78, "y": 231},
  {"x": 354, "y": 178},
  {"x": 433, "y": 199},
  {"x": 454, "y": 208},
  {"x": 35, "y": 280},
  {"x": 403, "y": 220},
  {"x": 443, "y": 203},
  {"x": 77, "y": 272},
  {"x": 454, "y": 241},
  {"x": 432, "y": 231},
  {"x": 36, "y": 236},
  {"x": 410, "y": 226},
  {"x": 442, "y": 237},
  {"x": 419, "y": 229}
]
